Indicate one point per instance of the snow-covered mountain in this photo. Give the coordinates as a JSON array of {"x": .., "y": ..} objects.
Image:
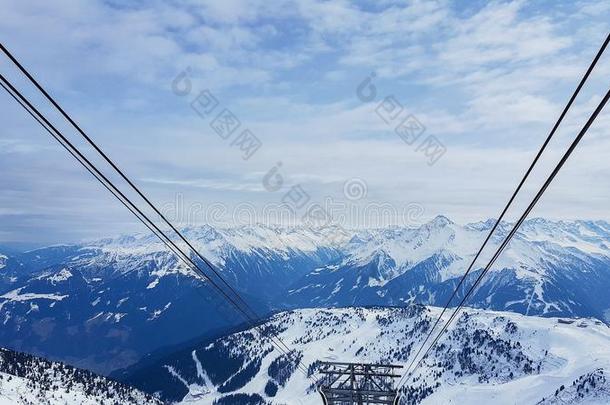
[
  {"x": 253, "y": 256},
  {"x": 103, "y": 304},
  {"x": 25, "y": 379},
  {"x": 487, "y": 357},
  {"x": 550, "y": 268}
]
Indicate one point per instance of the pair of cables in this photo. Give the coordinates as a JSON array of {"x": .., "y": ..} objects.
[
  {"x": 417, "y": 359},
  {"x": 183, "y": 253}
]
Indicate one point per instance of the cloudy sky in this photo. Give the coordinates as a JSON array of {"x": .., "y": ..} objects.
[{"x": 484, "y": 81}]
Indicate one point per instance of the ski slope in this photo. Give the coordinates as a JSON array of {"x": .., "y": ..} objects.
[{"x": 487, "y": 357}]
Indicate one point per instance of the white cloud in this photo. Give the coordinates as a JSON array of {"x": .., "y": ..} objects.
[{"x": 496, "y": 34}]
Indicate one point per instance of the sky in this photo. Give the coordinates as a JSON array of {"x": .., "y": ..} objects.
[{"x": 382, "y": 112}]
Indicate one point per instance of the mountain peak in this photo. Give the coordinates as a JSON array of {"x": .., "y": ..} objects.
[{"x": 440, "y": 220}]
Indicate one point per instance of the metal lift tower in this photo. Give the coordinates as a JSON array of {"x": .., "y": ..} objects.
[{"x": 358, "y": 384}]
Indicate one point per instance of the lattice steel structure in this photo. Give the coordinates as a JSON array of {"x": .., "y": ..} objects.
[{"x": 358, "y": 383}]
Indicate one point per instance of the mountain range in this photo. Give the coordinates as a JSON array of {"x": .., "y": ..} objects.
[
  {"x": 105, "y": 304},
  {"x": 549, "y": 269}
]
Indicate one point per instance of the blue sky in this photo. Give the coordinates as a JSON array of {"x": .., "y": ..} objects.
[{"x": 485, "y": 79}]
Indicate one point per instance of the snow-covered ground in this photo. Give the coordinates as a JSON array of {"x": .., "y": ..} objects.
[
  {"x": 488, "y": 357},
  {"x": 16, "y": 296},
  {"x": 26, "y": 379},
  {"x": 17, "y": 390},
  {"x": 574, "y": 349}
]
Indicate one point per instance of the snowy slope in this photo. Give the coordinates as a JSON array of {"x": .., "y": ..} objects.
[
  {"x": 488, "y": 357},
  {"x": 25, "y": 379},
  {"x": 591, "y": 388}
]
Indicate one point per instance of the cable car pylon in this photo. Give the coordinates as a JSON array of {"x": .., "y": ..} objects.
[{"x": 358, "y": 383}]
